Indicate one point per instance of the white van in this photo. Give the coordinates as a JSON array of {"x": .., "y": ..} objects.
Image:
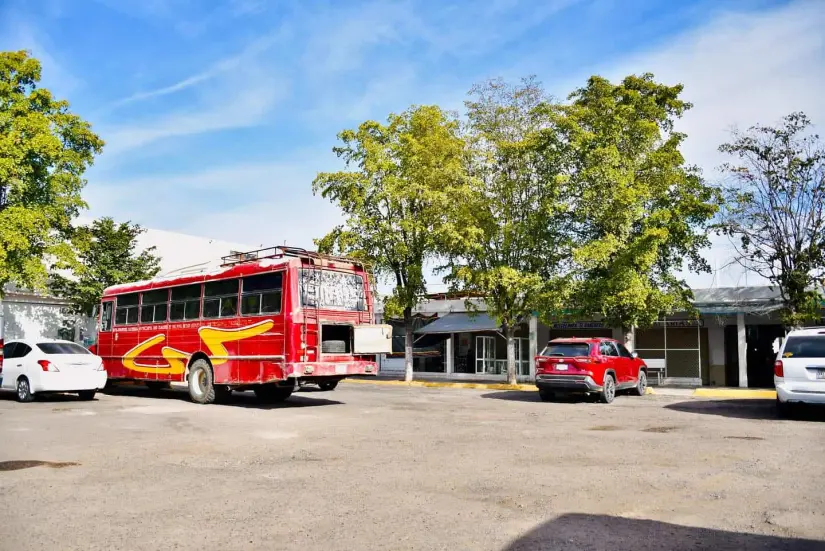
[{"x": 799, "y": 371}]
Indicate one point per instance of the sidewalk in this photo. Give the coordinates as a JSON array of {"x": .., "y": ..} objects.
[{"x": 482, "y": 384}]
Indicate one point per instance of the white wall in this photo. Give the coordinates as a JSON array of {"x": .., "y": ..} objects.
[{"x": 31, "y": 320}]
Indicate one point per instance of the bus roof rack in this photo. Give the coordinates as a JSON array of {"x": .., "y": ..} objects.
[{"x": 280, "y": 251}]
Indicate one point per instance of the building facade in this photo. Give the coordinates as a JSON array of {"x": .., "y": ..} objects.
[{"x": 727, "y": 341}]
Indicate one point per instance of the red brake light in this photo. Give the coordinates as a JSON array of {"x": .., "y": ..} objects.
[
  {"x": 779, "y": 369},
  {"x": 46, "y": 365}
]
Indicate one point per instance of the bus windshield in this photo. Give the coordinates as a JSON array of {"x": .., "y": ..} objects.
[{"x": 331, "y": 290}]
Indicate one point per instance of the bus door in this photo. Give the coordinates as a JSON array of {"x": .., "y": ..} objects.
[{"x": 104, "y": 334}]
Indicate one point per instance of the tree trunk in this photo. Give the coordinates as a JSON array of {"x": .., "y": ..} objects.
[
  {"x": 628, "y": 336},
  {"x": 510, "y": 333},
  {"x": 408, "y": 345}
]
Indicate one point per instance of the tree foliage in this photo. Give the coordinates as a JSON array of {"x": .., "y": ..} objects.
[
  {"x": 402, "y": 183},
  {"x": 106, "y": 254},
  {"x": 44, "y": 150},
  {"x": 517, "y": 241},
  {"x": 639, "y": 214},
  {"x": 775, "y": 211}
]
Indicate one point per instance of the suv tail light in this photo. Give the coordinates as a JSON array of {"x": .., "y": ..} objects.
[
  {"x": 46, "y": 365},
  {"x": 779, "y": 369}
]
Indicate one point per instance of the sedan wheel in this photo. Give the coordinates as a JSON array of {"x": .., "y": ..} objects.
[{"x": 24, "y": 391}]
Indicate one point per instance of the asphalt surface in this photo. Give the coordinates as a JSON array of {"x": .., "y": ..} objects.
[{"x": 371, "y": 467}]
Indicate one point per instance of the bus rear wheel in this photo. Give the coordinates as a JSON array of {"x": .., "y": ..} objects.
[
  {"x": 201, "y": 387},
  {"x": 273, "y": 393}
]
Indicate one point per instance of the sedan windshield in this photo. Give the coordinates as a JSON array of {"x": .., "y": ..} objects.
[
  {"x": 61, "y": 348},
  {"x": 566, "y": 349}
]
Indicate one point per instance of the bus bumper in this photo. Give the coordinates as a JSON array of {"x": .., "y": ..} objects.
[{"x": 331, "y": 369}]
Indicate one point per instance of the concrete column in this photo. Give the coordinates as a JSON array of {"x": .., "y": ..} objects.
[
  {"x": 742, "y": 348},
  {"x": 534, "y": 343},
  {"x": 448, "y": 365}
]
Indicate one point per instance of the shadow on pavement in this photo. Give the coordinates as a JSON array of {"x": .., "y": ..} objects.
[
  {"x": 237, "y": 399},
  {"x": 527, "y": 396},
  {"x": 50, "y": 397},
  {"x": 608, "y": 533},
  {"x": 747, "y": 409}
]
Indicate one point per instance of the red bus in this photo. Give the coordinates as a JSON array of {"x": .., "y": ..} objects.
[{"x": 264, "y": 320}]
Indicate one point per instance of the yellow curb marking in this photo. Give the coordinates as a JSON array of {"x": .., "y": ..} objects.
[
  {"x": 438, "y": 384},
  {"x": 734, "y": 393}
]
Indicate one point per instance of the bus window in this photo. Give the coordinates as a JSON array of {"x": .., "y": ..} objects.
[
  {"x": 186, "y": 303},
  {"x": 127, "y": 309},
  {"x": 154, "y": 306},
  {"x": 220, "y": 299},
  {"x": 261, "y": 294}
]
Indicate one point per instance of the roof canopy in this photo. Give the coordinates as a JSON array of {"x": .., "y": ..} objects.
[{"x": 459, "y": 322}]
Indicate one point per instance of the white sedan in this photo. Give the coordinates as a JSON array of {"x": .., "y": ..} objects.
[{"x": 46, "y": 365}]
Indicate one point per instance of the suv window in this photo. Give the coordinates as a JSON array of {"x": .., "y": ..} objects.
[
  {"x": 566, "y": 349},
  {"x": 807, "y": 346},
  {"x": 608, "y": 349},
  {"x": 623, "y": 351}
]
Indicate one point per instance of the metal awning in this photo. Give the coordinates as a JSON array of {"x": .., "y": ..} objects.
[{"x": 459, "y": 322}]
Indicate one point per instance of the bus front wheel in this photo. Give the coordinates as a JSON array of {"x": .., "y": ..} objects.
[{"x": 201, "y": 387}]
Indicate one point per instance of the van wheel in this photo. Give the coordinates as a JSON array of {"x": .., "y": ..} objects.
[
  {"x": 201, "y": 388},
  {"x": 641, "y": 384},
  {"x": 608, "y": 389},
  {"x": 330, "y": 385},
  {"x": 24, "y": 391}
]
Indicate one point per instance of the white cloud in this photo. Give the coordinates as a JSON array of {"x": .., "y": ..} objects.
[
  {"x": 738, "y": 70},
  {"x": 271, "y": 203}
]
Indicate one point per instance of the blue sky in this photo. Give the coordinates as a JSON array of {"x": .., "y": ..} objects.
[{"x": 218, "y": 114}]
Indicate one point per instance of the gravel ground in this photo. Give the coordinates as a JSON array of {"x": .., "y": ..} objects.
[{"x": 372, "y": 467}]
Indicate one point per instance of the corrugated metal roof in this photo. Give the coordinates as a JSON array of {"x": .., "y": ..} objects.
[{"x": 459, "y": 322}]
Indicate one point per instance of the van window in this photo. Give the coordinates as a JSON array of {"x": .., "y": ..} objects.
[{"x": 805, "y": 346}]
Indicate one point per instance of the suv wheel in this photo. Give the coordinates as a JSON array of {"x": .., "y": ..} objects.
[
  {"x": 608, "y": 389},
  {"x": 546, "y": 395},
  {"x": 641, "y": 384}
]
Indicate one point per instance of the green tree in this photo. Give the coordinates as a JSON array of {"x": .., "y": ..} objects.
[
  {"x": 403, "y": 180},
  {"x": 514, "y": 240},
  {"x": 106, "y": 254},
  {"x": 774, "y": 211},
  {"x": 44, "y": 150},
  {"x": 640, "y": 213}
]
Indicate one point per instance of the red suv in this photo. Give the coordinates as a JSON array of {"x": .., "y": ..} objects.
[{"x": 595, "y": 365}]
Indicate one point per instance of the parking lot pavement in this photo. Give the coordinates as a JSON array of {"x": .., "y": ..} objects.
[{"x": 368, "y": 467}]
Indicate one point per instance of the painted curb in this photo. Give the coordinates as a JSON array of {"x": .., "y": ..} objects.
[
  {"x": 745, "y": 394},
  {"x": 451, "y": 384}
]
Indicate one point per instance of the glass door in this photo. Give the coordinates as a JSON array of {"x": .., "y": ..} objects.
[
  {"x": 523, "y": 357},
  {"x": 486, "y": 355}
]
